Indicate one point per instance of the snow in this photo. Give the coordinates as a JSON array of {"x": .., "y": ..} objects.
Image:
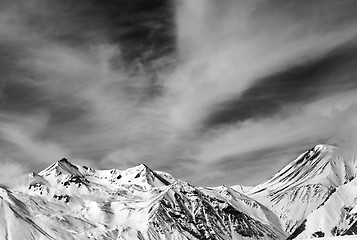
[
  {"x": 337, "y": 214},
  {"x": 333, "y": 238},
  {"x": 314, "y": 195},
  {"x": 66, "y": 201},
  {"x": 303, "y": 185}
]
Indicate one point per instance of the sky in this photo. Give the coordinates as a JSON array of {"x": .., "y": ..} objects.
[{"x": 211, "y": 91}]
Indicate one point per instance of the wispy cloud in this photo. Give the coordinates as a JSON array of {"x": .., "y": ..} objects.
[
  {"x": 10, "y": 171},
  {"x": 232, "y": 47},
  {"x": 78, "y": 94},
  {"x": 319, "y": 120},
  {"x": 330, "y": 120},
  {"x": 24, "y": 132}
]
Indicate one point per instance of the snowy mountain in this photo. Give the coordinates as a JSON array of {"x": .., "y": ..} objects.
[
  {"x": 315, "y": 195},
  {"x": 66, "y": 201},
  {"x": 304, "y": 184},
  {"x": 337, "y": 216}
]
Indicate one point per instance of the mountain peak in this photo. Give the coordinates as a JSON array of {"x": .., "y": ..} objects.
[
  {"x": 310, "y": 178},
  {"x": 62, "y": 166},
  {"x": 314, "y": 153},
  {"x": 322, "y": 164},
  {"x": 64, "y": 160},
  {"x": 139, "y": 168}
]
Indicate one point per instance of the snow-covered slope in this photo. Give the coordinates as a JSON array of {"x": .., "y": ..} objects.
[
  {"x": 337, "y": 216},
  {"x": 66, "y": 201},
  {"x": 304, "y": 184},
  {"x": 314, "y": 196}
]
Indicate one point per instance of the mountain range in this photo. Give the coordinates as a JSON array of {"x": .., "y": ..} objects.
[{"x": 313, "y": 196}]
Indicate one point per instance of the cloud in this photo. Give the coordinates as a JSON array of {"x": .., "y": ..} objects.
[
  {"x": 341, "y": 110},
  {"x": 108, "y": 94},
  {"x": 233, "y": 45},
  {"x": 276, "y": 140},
  {"x": 23, "y": 132},
  {"x": 10, "y": 171},
  {"x": 330, "y": 74},
  {"x": 117, "y": 114}
]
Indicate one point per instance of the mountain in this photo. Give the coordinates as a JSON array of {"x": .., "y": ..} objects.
[
  {"x": 66, "y": 201},
  {"x": 337, "y": 216},
  {"x": 315, "y": 195},
  {"x": 304, "y": 184}
]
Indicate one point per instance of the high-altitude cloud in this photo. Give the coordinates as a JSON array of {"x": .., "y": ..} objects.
[{"x": 194, "y": 87}]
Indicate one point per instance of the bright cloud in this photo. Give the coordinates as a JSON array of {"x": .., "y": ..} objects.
[{"x": 86, "y": 102}]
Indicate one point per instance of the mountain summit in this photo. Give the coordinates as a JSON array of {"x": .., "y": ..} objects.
[
  {"x": 67, "y": 201},
  {"x": 304, "y": 184}
]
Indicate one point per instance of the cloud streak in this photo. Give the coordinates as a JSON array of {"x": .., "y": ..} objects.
[
  {"x": 121, "y": 91},
  {"x": 23, "y": 132}
]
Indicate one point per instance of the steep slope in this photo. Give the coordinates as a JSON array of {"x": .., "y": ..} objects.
[
  {"x": 304, "y": 184},
  {"x": 15, "y": 215},
  {"x": 245, "y": 205},
  {"x": 66, "y": 201},
  {"x": 337, "y": 216},
  {"x": 211, "y": 214}
]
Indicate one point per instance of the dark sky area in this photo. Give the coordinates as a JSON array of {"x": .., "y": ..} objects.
[
  {"x": 213, "y": 92},
  {"x": 301, "y": 82}
]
